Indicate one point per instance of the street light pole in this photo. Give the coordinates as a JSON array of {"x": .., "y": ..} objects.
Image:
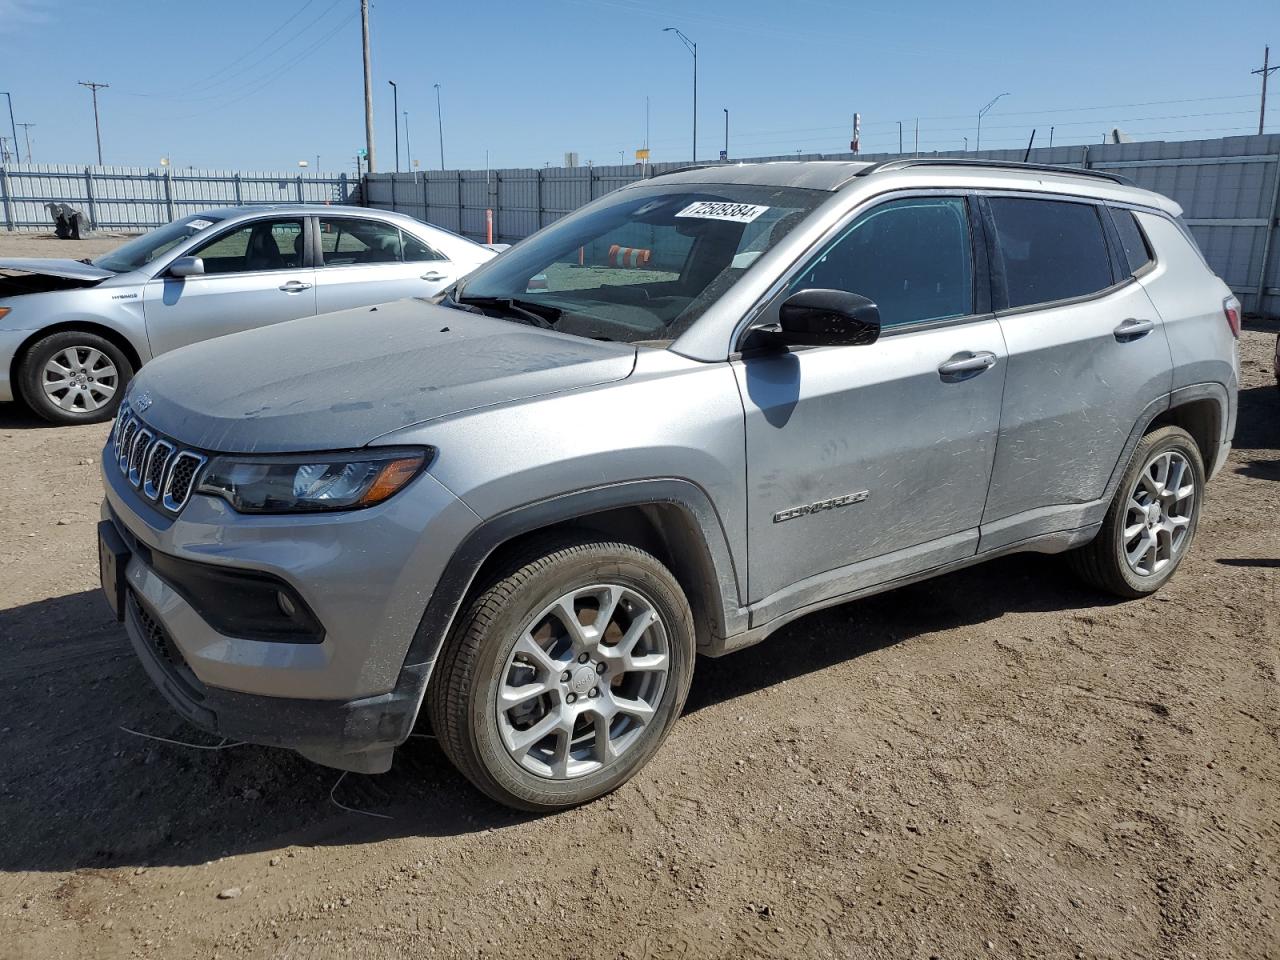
[
  {"x": 977, "y": 144},
  {"x": 370, "y": 163},
  {"x": 395, "y": 116},
  {"x": 408, "y": 154},
  {"x": 726, "y": 133},
  {"x": 440, "y": 125},
  {"x": 9, "y": 97},
  {"x": 693, "y": 49}
]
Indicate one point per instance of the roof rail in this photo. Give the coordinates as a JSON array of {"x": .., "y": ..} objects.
[{"x": 903, "y": 163}]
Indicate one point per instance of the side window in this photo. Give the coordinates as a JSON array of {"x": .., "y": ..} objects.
[
  {"x": 262, "y": 245},
  {"x": 355, "y": 241},
  {"x": 912, "y": 257},
  {"x": 1137, "y": 253},
  {"x": 416, "y": 249},
  {"x": 1052, "y": 249}
]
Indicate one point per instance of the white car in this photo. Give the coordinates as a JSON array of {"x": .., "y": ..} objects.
[{"x": 72, "y": 333}]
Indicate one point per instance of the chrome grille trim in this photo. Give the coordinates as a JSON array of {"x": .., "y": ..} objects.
[
  {"x": 153, "y": 479},
  {"x": 134, "y": 446},
  {"x": 176, "y": 503}
]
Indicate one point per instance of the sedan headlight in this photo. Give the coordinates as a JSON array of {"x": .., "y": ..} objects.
[{"x": 309, "y": 483}]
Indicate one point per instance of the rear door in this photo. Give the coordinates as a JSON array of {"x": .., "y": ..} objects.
[
  {"x": 870, "y": 462},
  {"x": 1087, "y": 355},
  {"x": 365, "y": 261},
  {"x": 256, "y": 273}
]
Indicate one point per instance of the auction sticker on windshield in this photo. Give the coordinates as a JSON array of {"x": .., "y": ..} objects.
[
  {"x": 720, "y": 210},
  {"x": 200, "y": 224}
]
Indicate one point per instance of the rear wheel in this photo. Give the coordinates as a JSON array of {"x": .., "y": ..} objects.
[
  {"x": 1152, "y": 520},
  {"x": 564, "y": 676},
  {"x": 74, "y": 377}
]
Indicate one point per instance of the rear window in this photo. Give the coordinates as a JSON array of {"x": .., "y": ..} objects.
[
  {"x": 1052, "y": 249},
  {"x": 1136, "y": 252}
]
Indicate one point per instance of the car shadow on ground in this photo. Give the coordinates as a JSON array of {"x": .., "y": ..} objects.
[{"x": 77, "y": 791}]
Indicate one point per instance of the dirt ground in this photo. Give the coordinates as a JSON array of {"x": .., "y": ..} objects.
[{"x": 998, "y": 763}]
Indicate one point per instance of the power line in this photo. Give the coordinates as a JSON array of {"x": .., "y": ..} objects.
[{"x": 196, "y": 84}]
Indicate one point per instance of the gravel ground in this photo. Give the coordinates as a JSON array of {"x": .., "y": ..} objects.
[{"x": 997, "y": 763}]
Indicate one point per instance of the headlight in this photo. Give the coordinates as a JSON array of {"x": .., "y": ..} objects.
[{"x": 310, "y": 482}]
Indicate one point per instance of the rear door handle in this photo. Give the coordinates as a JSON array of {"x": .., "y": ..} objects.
[
  {"x": 963, "y": 366},
  {"x": 295, "y": 286},
  {"x": 1132, "y": 329},
  {"x": 431, "y": 276}
]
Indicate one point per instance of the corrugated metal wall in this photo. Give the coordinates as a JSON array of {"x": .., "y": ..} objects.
[
  {"x": 1229, "y": 189},
  {"x": 136, "y": 198}
]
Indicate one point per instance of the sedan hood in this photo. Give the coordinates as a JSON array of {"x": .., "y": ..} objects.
[
  {"x": 67, "y": 269},
  {"x": 340, "y": 380}
]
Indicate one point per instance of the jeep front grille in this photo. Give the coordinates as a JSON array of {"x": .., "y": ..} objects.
[{"x": 158, "y": 468}]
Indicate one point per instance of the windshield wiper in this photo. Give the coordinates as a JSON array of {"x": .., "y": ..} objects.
[{"x": 538, "y": 314}]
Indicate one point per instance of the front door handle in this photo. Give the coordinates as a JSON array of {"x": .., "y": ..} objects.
[
  {"x": 295, "y": 286},
  {"x": 1132, "y": 329},
  {"x": 963, "y": 366},
  {"x": 431, "y": 276}
]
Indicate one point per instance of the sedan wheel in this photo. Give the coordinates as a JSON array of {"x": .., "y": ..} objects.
[{"x": 80, "y": 379}]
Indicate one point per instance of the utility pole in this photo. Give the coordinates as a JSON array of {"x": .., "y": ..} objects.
[
  {"x": 26, "y": 132},
  {"x": 440, "y": 125},
  {"x": 9, "y": 97},
  {"x": 693, "y": 48},
  {"x": 97, "y": 128},
  {"x": 371, "y": 163},
  {"x": 899, "y": 136},
  {"x": 726, "y": 133},
  {"x": 1266, "y": 70},
  {"x": 408, "y": 154},
  {"x": 395, "y": 116}
]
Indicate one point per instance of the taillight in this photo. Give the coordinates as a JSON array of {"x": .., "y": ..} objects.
[{"x": 1231, "y": 308}]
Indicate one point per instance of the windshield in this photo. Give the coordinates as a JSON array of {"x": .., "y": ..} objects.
[
  {"x": 140, "y": 251},
  {"x": 643, "y": 264}
]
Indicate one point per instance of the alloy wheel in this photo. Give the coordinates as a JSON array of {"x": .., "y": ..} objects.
[
  {"x": 582, "y": 681},
  {"x": 1158, "y": 513},
  {"x": 80, "y": 379}
]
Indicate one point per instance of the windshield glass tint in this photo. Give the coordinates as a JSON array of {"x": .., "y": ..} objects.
[
  {"x": 646, "y": 263},
  {"x": 140, "y": 251}
]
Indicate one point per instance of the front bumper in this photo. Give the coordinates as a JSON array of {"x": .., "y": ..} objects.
[{"x": 345, "y": 701}]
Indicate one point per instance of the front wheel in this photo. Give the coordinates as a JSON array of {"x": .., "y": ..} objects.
[
  {"x": 1151, "y": 522},
  {"x": 74, "y": 377},
  {"x": 564, "y": 675}
]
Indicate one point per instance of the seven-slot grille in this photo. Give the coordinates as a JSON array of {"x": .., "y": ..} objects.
[{"x": 162, "y": 471}]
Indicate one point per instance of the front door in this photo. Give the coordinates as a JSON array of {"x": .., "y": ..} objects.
[
  {"x": 866, "y": 463},
  {"x": 255, "y": 274},
  {"x": 366, "y": 261}
]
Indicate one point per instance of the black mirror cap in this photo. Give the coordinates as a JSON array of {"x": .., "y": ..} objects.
[{"x": 827, "y": 318}]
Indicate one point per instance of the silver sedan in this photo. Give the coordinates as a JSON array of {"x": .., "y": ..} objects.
[{"x": 73, "y": 333}]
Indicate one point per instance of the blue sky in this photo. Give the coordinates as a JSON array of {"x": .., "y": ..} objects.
[{"x": 261, "y": 85}]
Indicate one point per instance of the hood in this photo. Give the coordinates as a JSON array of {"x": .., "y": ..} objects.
[
  {"x": 340, "y": 380},
  {"x": 49, "y": 267}
]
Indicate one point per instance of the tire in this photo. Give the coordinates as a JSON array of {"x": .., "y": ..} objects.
[
  {"x": 82, "y": 355},
  {"x": 480, "y": 659},
  {"x": 1105, "y": 562}
]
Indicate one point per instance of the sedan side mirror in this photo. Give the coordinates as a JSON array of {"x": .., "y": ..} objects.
[
  {"x": 186, "y": 267},
  {"x": 821, "y": 318}
]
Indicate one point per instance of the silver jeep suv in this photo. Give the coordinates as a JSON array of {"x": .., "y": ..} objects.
[{"x": 697, "y": 408}]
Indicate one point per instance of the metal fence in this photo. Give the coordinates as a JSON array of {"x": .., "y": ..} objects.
[
  {"x": 1228, "y": 188},
  {"x": 138, "y": 198}
]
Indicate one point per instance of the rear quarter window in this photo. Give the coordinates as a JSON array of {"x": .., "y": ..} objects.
[
  {"x": 1051, "y": 249},
  {"x": 1137, "y": 252}
]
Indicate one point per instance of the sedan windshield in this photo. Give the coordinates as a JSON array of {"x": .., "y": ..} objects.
[
  {"x": 140, "y": 251},
  {"x": 643, "y": 264}
]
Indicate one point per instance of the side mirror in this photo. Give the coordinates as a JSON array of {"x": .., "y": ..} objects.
[
  {"x": 186, "y": 267},
  {"x": 828, "y": 318}
]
